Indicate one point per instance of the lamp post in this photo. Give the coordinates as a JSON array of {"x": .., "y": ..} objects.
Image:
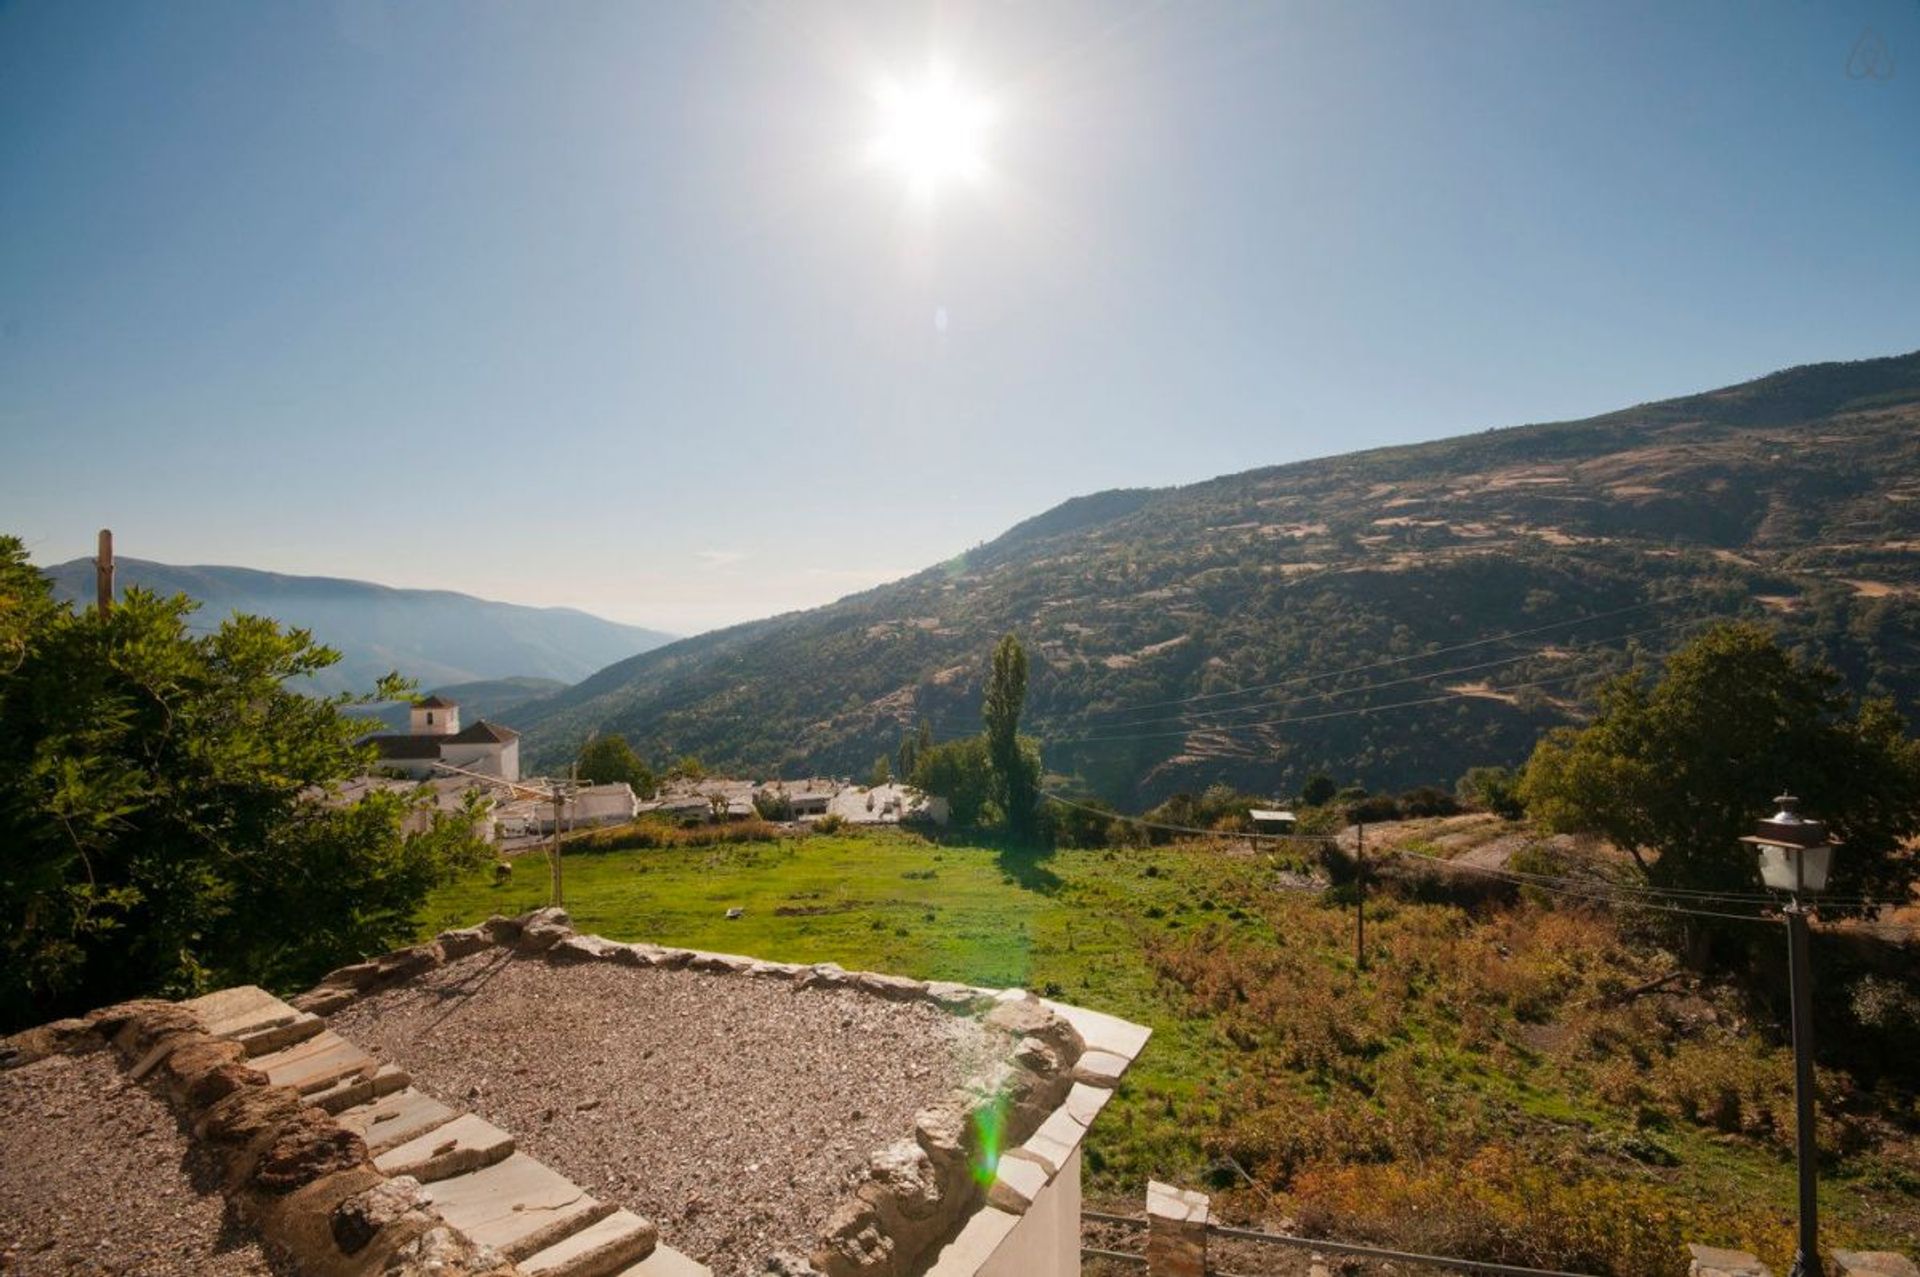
[{"x": 1795, "y": 856}]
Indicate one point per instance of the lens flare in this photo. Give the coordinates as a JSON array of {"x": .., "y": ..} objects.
[{"x": 989, "y": 1130}]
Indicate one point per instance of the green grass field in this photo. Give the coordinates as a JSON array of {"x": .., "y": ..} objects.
[{"x": 1360, "y": 1098}]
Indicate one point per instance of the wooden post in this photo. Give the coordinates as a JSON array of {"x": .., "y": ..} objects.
[
  {"x": 556, "y": 898},
  {"x": 103, "y": 573}
]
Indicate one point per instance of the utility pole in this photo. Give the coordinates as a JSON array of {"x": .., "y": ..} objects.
[
  {"x": 103, "y": 573},
  {"x": 555, "y": 792},
  {"x": 553, "y": 850},
  {"x": 1360, "y": 896},
  {"x": 1806, "y": 1263}
]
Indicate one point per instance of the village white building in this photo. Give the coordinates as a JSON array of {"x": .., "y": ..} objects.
[
  {"x": 437, "y": 738},
  {"x": 588, "y": 807}
]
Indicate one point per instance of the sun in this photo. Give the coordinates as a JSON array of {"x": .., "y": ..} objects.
[{"x": 932, "y": 133}]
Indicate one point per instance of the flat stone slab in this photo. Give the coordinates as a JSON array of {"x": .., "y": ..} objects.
[
  {"x": 1874, "y": 1263},
  {"x": 599, "y": 1250},
  {"x": 465, "y": 1144},
  {"x": 1016, "y": 1182},
  {"x": 1180, "y": 1205},
  {"x": 1103, "y": 1032},
  {"x": 1053, "y": 1144},
  {"x": 665, "y": 1261},
  {"x": 394, "y": 1119},
  {"x": 317, "y": 1063},
  {"x": 518, "y": 1207},
  {"x": 1085, "y": 1102},
  {"x": 1100, "y": 1068},
  {"x": 359, "y": 1088},
  {"x": 280, "y": 1035},
  {"x": 239, "y": 1010},
  {"x": 1708, "y": 1261}
]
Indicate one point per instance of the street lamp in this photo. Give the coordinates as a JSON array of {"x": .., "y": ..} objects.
[{"x": 1795, "y": 857}]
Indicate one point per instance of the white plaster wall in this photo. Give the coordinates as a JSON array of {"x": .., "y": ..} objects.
[
  {"x": 487, "y": 759},
  {"x": 1046, "y": 1241}
]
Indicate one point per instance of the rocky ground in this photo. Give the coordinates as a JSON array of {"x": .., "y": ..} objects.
[
  {"x": 732, "y": 1112},
  {"x": 96, "y": 1180}
]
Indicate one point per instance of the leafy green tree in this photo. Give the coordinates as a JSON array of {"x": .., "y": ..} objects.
[
  {"x": 1015, "y": 776},
  {"x": 1318, "y": 791},
  {"x": 609, "y": 760},
  {"x": 687, "y": 767},
  {"x": 905, "y": 757},
  {"x": 1496, "y": 789},
  {"x": 1084, "y": 824},
  {"x": 164, "y": 823},
  {"x": 962, "y": 773},
  {"x": 882, "y": 773},
  {"x": 1675, "y": 773}
]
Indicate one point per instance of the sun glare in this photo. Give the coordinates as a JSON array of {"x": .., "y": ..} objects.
[{"x": 933, "y": 133}]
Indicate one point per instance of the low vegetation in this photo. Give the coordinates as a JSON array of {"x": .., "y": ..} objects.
[{"x": 1508, "y": 1079}]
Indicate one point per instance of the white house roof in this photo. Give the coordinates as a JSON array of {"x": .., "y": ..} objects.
[{"x": 1272, "y": 814}]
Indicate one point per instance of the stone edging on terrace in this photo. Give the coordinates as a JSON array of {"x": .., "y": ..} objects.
[
  {"x": 915, "y": 1194},
  {"x": 304, "y": 1181}
]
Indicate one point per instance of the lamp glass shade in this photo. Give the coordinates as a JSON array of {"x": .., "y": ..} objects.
[{"x": 1795, "y": 869}]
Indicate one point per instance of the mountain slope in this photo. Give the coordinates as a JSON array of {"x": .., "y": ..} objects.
[
  {"x": 495, "y": 699},
  {"x": 1795, "y": 498},
  {"x": 433, "y": 636}
]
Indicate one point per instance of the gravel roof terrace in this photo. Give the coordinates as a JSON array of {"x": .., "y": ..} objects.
[{"x": 735, "y": 1113}]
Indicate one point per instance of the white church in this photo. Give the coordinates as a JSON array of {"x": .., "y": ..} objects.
[{"x": 436, "y": 738}]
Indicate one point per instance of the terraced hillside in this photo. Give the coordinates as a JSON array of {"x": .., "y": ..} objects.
[{"x": 1795, "y": 497}]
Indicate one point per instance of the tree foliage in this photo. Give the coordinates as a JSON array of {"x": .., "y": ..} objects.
[
  {"x": 162, "y": 823},
  {"x": 1015, "y": 773},
  {"x": 1676, "y": 772},
  {"x": 1496, "y": 789},
  {"x": 1318, "y": 790},
  {"x": 609, "y": 760},
  {"x": 961, "y": 772}
]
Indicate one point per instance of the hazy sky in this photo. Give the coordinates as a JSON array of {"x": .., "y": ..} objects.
[{"x": 611, "y": 304}]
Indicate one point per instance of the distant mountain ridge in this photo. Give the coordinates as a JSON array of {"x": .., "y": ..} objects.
[
  {"x": 436, "y": 637},
  {"x": 1794, "y": 498}
]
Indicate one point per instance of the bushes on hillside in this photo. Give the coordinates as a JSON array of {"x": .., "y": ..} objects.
[
  {"x": 1494, "y": 789},
  {"x": 654, "y": 834}
]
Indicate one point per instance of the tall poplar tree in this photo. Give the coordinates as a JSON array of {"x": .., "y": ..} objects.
[{"x": 1014, "y": 772}]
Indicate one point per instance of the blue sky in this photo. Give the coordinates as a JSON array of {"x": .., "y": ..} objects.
[{"x": 608, "y": 304}]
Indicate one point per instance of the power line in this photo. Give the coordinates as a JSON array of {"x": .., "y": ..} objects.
[
  {"x": 1312, "y": 718},
  {"x": 1531, "y": 654},
  {"x": 1382, "y": 664},
  {"x": 1144, "y": 823},
  {"x": 1573, "y": 888},
  {"x": 1630, "y": 889}
]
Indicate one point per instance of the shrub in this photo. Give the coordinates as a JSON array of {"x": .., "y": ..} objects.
[
  {"x": 1089, "y": 824},
  {"x": 653, "y": 834},
  {"x": 1373, "y": 810},
  {"x": 1428, "y": 800},
  {"x": 1494, "y": 789}
]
